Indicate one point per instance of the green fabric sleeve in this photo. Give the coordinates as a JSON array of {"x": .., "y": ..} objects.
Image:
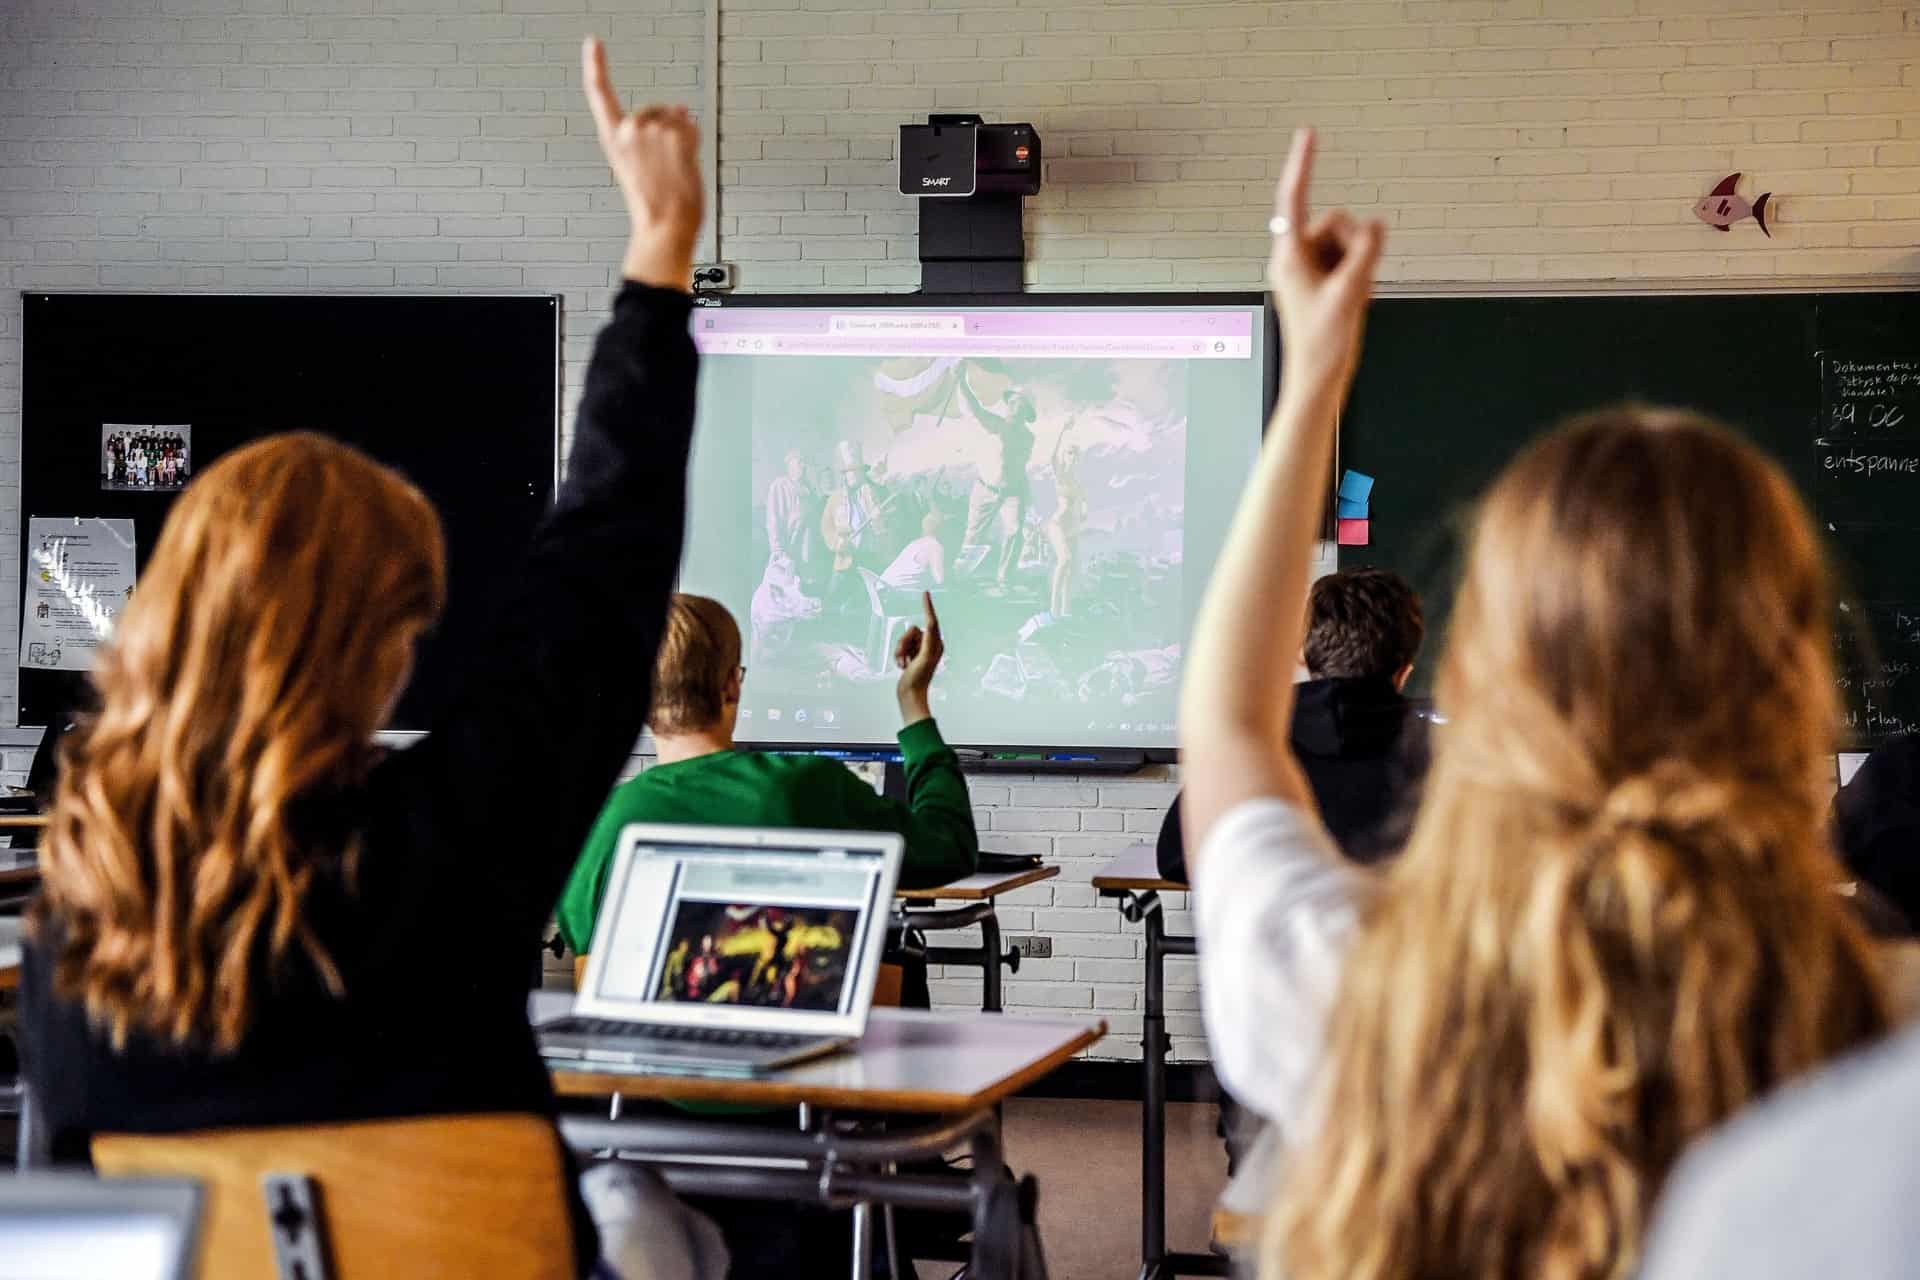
[
  {"x": 937, "y": 819},
  {"x": 580, "y": 900}
]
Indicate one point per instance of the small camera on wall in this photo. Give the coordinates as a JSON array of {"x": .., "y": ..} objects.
[{"x": 960, "y": 155}]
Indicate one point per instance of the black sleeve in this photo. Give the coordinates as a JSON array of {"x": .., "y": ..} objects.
[
  {"x": 1172, "y": 851},
  {"x": 499, "y": 796}
]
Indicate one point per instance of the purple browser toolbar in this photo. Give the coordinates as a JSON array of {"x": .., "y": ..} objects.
[
  {"x": 1197, "y": 334},
  {"x": 998, "y": 322}
]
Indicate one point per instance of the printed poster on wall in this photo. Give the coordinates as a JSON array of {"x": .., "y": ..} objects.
[{"x": 79, "y": 579}]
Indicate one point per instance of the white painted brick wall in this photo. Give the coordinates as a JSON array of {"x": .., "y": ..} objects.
[{"x": 436, "y": 145}]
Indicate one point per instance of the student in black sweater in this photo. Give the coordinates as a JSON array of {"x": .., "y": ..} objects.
[
  {"x": 1876, "y": 832},
  {"x": 1362, "y": 747},
  {"x": 254, "y": 916}
]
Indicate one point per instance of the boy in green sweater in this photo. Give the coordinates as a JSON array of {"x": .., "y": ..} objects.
[{"x": 700, "y": 778}]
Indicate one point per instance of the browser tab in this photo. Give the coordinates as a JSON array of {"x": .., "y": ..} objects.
[{"x": 905, "y": 325}]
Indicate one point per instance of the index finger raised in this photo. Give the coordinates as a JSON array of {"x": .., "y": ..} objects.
[
  {"x": 1290, "y": 197},
  {"x": 601, "y": 99},
  {"x": 933, "y": 619}
]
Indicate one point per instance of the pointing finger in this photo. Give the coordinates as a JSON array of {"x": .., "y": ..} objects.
[
  {"x": 1290, "y": 198},
  {"x": 933, "y": 619},
  {"x": 601, "y": 98}
]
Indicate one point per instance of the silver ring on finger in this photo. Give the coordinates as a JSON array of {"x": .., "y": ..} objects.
[{"x": 1280, "y": 224}]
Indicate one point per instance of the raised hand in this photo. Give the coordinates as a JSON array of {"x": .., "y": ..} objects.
[
  {"x": 918, "y": 657},
  {"x": 1322, "y": 278},
  {"x": 655, "y": 156}
]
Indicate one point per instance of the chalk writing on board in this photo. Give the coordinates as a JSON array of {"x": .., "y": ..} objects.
[
  {"x": 1855, "y": 462},
  {"x": 1872, "y": 721},
  {"x": 1876, "y": 669},
  {"x": 1865, "y": 397}
]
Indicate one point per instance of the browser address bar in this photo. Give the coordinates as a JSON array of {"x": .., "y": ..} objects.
[{"x": 1033, "y": 348}]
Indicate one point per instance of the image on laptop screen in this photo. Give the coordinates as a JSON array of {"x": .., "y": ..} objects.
[
  {"x": 763, "y": 930},
  {"x": 778, "y": 956}
]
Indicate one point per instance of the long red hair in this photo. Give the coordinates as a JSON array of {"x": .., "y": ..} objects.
[{"x": 248, "y": 675}]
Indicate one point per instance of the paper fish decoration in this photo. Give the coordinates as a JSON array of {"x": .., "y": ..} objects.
[{"x": 1721, "y": 208}]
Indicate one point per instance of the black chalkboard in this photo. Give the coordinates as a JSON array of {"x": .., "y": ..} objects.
[
  {"x": 1449, "y": 389},
  {"x": 460, "y": 393}
]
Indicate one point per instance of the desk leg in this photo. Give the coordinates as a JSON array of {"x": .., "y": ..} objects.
[
  {"x": 987, "y": 956},
  {"x": 862, "y": 1240},
  {"x": 33, "y": 1151},
  {"x": 1153, "y": 1089},
  {"x": 990, "y": 955}
]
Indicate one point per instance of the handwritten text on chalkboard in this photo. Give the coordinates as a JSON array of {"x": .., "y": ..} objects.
[
  {"x": 1854, "y": 462},
  {"x": 1869, "y": 397}
]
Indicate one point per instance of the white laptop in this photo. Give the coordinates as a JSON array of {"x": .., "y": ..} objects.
[
  {"x": 69, "y": 1226},
  {"x": 730, "y": 950}
]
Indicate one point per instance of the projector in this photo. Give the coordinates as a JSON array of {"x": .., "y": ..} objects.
[{"x": 959, "y": 155}]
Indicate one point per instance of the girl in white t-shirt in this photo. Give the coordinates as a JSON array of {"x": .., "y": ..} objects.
[{"x": 1615, "y": 921}]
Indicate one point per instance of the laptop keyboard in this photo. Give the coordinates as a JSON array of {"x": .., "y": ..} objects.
[{"x": 683, "y": 1034}]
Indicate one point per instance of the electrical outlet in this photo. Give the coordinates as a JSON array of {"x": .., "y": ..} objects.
[
  {"x": 713, "y": 277},
  {"x": 1032, "y": 946}
]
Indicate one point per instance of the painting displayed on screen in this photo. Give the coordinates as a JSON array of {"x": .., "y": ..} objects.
[
  {"x": 1040, "y": 504},
  {"x": 757, "y": 954},
  {"x": 1036, "y": 472},
  {"x": 142, "y": 457}
]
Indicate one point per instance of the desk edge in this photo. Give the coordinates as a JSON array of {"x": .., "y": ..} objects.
[
  {"x": 946, "y": 893},
  {"x": 781, "y": 1094},
  {"x": 1122, "y": 884}
]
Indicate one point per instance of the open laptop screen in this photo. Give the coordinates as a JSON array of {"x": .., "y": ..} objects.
[
  {"x": 766, "y": 934},
  {"x": 80, "y": 1245},
  {"x": 68, "y": 1226}
]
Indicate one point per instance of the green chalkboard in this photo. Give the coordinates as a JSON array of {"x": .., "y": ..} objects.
[{"x": 1450, "y": 388}]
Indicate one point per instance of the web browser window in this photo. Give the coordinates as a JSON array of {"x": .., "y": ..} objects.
[
  {"x": 741, "y": 929},
  {"x": 1058, "y": 478}
]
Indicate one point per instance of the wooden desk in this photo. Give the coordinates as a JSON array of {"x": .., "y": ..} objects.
[
  {"x": 22, "y": 821},
  {"x": 919, "y": 914},
  {"x": 940, "y": 1076},
  {"x": 9, "y": 953},
  {"x": 983, "y": 886},
  {"x": 1136, "y": 869},
  {"x": 910, "y": 1061},
  {"x": 19, "y": 876},
  {"x": 1133, "y": 879}
]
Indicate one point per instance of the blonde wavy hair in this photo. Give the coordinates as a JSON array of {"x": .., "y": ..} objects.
[
  {"x": 1615, "y": 922},
  {"x": 240, "y": 693}
]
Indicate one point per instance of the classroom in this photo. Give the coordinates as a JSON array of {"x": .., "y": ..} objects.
[{"x": 1112, "y": 637}]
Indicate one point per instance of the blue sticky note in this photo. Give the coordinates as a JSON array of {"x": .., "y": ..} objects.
[
  {"x": 1350, "y": 510},
  {"x": 1356, "y": 486}
]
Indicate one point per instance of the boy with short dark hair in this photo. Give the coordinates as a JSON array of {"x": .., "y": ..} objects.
[{"x": 1356, "y": 734}]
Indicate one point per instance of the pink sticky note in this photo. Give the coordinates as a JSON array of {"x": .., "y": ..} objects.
[{"x": 1353, "y": 533}]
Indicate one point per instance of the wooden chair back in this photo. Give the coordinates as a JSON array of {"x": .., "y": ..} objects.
[{"x": 442, "y": 1196}]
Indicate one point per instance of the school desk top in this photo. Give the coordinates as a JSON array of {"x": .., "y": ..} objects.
[
  {"x": 980, "y": 886},
  {"x": 9, "y": 952},
  {"x": 1135, "y": 868},
  {"x": 19, "y": 870},
  {"x": 910, "y": 1060}
]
